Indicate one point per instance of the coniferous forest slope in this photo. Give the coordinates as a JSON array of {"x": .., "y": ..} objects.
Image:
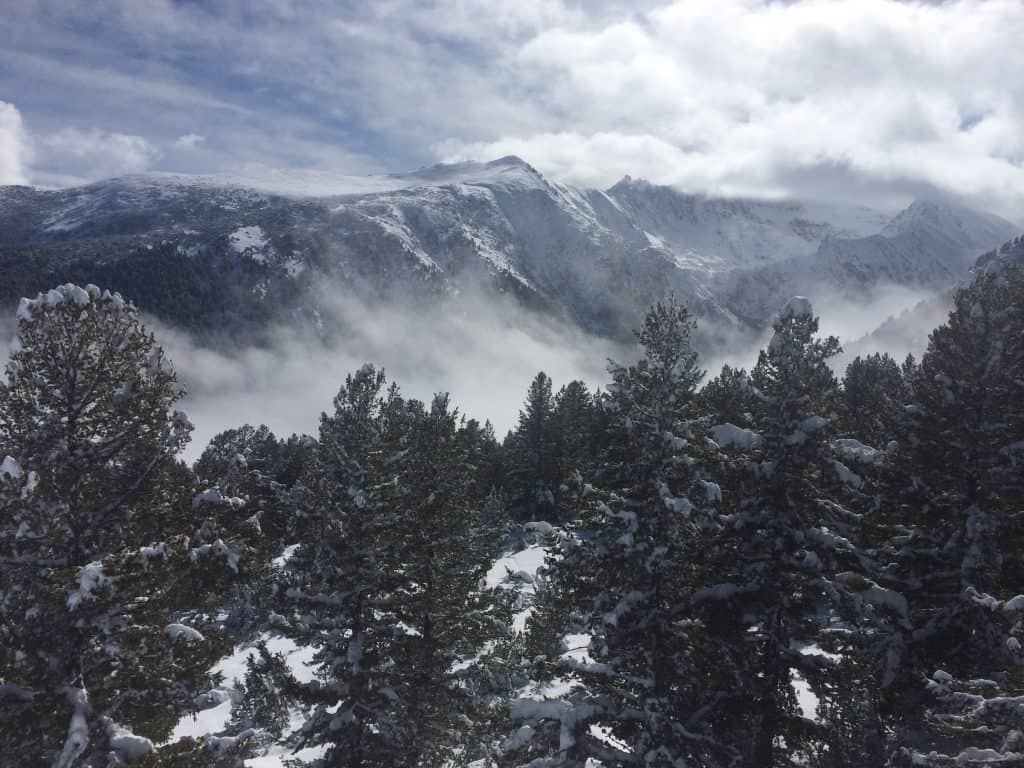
[{"x": 763, "y": 567}]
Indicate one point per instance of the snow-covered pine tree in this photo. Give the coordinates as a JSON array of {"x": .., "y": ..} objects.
[
  {"x": 782, "y": 561},
  {"x": 94, "y": 538},
  {"x": 532, "y": 466},
  {"x": 254, "y": 449},
  {"x": 956, "y": 541},
  {"x": 624, "y": 570},
  {"x": 337, "y": 587},
  {"x": 386, "y": 584},
  {"x": 446, "y": 551},
  {"x": 729, "y": 397},
  {"x": 88, "y": 404},
  {"x": 247, "y": 506}
]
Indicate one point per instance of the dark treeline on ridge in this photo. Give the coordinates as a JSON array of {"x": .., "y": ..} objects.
[{"x": 761, "y": 568}]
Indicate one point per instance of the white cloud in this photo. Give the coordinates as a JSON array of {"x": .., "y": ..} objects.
[
  {"x": 189, "y": 141},
  {"x": 873, "y": 100},
  {"x": 94, "y": 153},
  {"x": 484, "y": 351},
  {"x": 746, "y": 97},
  {"x": 14, "y": 149}
]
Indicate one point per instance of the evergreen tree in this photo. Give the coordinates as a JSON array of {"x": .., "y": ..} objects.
[
  {"x": 624, "y": 569},
  {"x": 729, "y": 397},
  {"x": 254, "y": 448},
  {"x": 484, "y": 456},
  {"x": 246, "y": 509},
  {"x": 94, "y": 539},
  {"x": 574, "y": 419},
  {"x": 446, "y": 553},
  {"x": 873, "y": 395},
  {"x": 782, "y": 571},
  {"x": 386, "y": 582},
  {"x": 89, "y": 406},
  {"x": 337, "y": 587},
  {"x": 533, "y": 469},
  {"x": 955, "y": 541}
]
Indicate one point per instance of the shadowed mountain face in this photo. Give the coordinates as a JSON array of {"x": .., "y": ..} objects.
[{"x": 226, "y": 257}]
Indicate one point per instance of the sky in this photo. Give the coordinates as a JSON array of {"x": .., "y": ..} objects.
[{"x": 871, "y": 101}]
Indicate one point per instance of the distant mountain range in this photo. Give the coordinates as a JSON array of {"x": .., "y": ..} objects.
[{"x": 226, "y": 257}]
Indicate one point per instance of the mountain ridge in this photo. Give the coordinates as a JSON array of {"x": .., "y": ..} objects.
[{"x": 594, "y": 257}]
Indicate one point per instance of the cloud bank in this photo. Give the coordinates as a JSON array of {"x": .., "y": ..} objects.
[
  {"x": 875, "y": 100},
  {"x": 95, "y": 154},
  {"x": 814, "y": 99},
  {"x": 484, "y": 351}
]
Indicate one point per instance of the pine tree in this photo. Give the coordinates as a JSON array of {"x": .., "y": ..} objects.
[
  {"x": 244, "y": 501},
  {"x": 624, "y": 569},
  {"x": 873, "y": 395},
  {"x": 253, "y": 448},
  {"x": 955, "y": 540},
  {"x": 94, "y": 539},
  {"x": 574, "y": 419},
  {"x": 533, "y": 469},
  {"x": 338, "y": 583},
  {"x": 729, "y": 397},
  {"x": 484, "y": 456},
  {"x": 88, "y": 404},
  {"x": 783, "y": 563},
  {"x": 445, "y": 555},
  {"x": 386, "y": 582}
]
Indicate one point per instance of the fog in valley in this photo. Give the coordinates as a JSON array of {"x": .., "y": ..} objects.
[{"x": 484, "y": 351}]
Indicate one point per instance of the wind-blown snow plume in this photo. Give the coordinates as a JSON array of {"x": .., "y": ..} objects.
[{"x": 13, "y": 146}]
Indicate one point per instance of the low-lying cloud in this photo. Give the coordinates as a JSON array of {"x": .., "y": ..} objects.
[
  {"x": 484, "y": 351},
  {"x": 893, "y": 319}
]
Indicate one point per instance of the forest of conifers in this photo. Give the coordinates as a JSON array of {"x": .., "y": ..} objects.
[{"x": 768, "y": 568}]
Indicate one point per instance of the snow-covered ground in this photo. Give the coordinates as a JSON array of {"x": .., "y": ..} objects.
[
  {"x": 518, "y": 570},
  {"x": 251, "y": 241},
  {"x": 232, "y": 669}
]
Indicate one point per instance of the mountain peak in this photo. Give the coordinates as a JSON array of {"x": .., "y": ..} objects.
[
  {"x": 504, "y": 170},
  {"x": 627, "y": 182},
  {"x": 949, "y": 217},
  {"x": 511, "y": 161}
]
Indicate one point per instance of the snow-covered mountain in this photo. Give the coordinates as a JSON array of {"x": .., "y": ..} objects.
[
  {"x": 226, "y": 255},
  {"x": 907, "y": 332}
]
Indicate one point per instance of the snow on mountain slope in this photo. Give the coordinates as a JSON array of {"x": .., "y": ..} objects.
[
  {"x": 928, "y": 247},
  {"x": 127, "y": 205},
  {"x": 597, "y": 258},
  {"x": 927, "y": 243},
  {"x": 725, "y": 234},
  {"x": 907, "y": 332}
]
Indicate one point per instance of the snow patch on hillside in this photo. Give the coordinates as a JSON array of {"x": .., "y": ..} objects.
[
  {"x": 249, "y": 240},
  {"x": 232, "y": 669},
  {"x": 518, "y": 570}
]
